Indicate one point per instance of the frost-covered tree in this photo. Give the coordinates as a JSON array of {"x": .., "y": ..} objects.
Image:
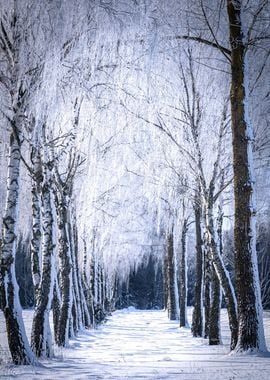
[
  {"x": 19, "y": 76},
  {"x": 170, "y": 277},
  {"x": 70, "y": 284},
  {"x": 134, "y": 98},
  {"x": 244, "y": 25},
  {"x": 41, "y": 340},
  {"x": 183, "y": 270}
]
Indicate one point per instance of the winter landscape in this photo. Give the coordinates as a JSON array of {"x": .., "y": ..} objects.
[
  {"x": 134, "y": 189},
  {"x": 136, "y": 344}
]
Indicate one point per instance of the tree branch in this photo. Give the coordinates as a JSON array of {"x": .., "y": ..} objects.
[{"x": 226, "y": 52}]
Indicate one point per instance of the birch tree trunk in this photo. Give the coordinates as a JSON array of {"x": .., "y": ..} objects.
[
  {"x": 183, "y": 277},
  {"x": 207, "y": 286},
  {"x": 99, "y": 286},
  {"x": 56, "y": 301},
  {"x": 75, "y": 278},
  {"x": 37, "y": 179},
  {"x": 86, "y": 289},
  {"x": 165, "y": 278},
  {"x": 18, "y": 344},
  {"x": 85, "y": 316},
  {"x": 222, "y": 273},
  {"x": 197, "y": 322},
  {"x": 250, "y": 331},
  {"x": 214, "y": 317},
  {"x": 85, "y": 310},
  {"x": 172, "y": 312},
  {"x": 92, "y": 289},
  {"x": 36, "y": 240},
  {"x": 65, "y": 274},
  {"x": 41, "y": 332}
]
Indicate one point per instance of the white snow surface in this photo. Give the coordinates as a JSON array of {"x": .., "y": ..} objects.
[{"x": 137, "y": 344}]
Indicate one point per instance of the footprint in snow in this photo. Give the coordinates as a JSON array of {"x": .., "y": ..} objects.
[{"x": 167, "y": 359}]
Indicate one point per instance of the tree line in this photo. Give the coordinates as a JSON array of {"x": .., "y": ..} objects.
[{"x": 74, "y": 118}]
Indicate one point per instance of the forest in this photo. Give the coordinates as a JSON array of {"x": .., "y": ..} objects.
[{"x": 134, "y": 168}]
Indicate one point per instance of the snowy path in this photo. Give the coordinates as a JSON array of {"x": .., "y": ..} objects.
[{"x": 143, "y": 345}]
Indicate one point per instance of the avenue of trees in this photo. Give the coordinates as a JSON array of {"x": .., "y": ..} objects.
[{"x": 134, "y": 151}]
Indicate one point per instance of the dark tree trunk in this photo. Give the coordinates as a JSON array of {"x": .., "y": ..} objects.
[
  {"x": 36, "y": 240},
  {"x": 214, "y": 331},
  {"x": 56, "y": 306},
  {"x": 65, "y": 274},
  {"x": 214, "y": 325},
  {"x": 75, "y": 278},
  {"x": 172, "y": 313},
  {"x": 86, "y": 289},
  {"x": 37, "y": 179},
  {"x": 74, "y": 327},
  {"x": 207, "y": 285},
  {"x": 197, "y": 323},
  {"x": 183, "y": 277},
  {"x": 114, "y": 293},
  {"x": 92, "y": 289},
  {"x": 85, "y": 316},
  {"x": 250, "y": 332},
  {"x": 165, "y": 279},
  {"x": 100, "y": 285}
]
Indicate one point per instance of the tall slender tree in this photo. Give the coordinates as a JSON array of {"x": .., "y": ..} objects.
[
  {"x": 183, "y": 277},
  {"x": 17, "y": 90},
  {"x": 41, "y": 340},
  {"x": 250, "y": 326},
  {"x": 171, "y": 285},
  {"x": 250, "y": 331}
]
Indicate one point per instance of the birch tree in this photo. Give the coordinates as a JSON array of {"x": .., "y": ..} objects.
[
  {"x": 41, "y": 340},
  {"x": 183, "y": 269},
  {"x": 170, "y": 277},
  {"x": 250, "y": 330},
  {"x": 37, "y": 178},
  {"x": 250, "y": 326},
  {"x": 18, "y": 86},
  {"x": 197, "y": 315}
]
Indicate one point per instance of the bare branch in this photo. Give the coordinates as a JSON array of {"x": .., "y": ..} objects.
[{"x": 225, "y": 51}]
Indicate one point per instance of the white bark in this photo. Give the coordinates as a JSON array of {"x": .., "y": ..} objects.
[{"x": 19, "y": 346}]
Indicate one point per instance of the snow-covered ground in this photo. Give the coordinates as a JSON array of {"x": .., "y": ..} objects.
[{"x": 141, "y": 345}]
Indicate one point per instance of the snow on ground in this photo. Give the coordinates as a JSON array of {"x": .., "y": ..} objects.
[{"x": 141, "y": 345}]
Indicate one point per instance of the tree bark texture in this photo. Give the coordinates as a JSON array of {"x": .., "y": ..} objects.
[
  {"x": 165, "y": 279},
  {"x": 250, "y": 330},
  {"x": 37, "y": 178},
  {"x": 197, "y": 322},
  {"x": 222, "y": 273},
  {"x": 85, "y": 316},
  {"x": 75, "y": 278},
  {"x": 86, "y": 289},
  {"x": 41, "y": 333},
  {"x": 183, "y": 277},
  {"x": 207, "y": 286},
  {"x": 172, "y": 313},
  {"x": 92, "y": 289},
  {"x": 36, "y": 240},
  {"x": 65, "y": 262},
  {"x": 214, "y": 320},
  {"x": 18, "y": 344},
  {"x": 56, "y": 301}
]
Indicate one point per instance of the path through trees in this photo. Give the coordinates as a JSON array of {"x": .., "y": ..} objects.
[
  {"x": 127, "y": 150},
  {"x": 137, "y": 344}
]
